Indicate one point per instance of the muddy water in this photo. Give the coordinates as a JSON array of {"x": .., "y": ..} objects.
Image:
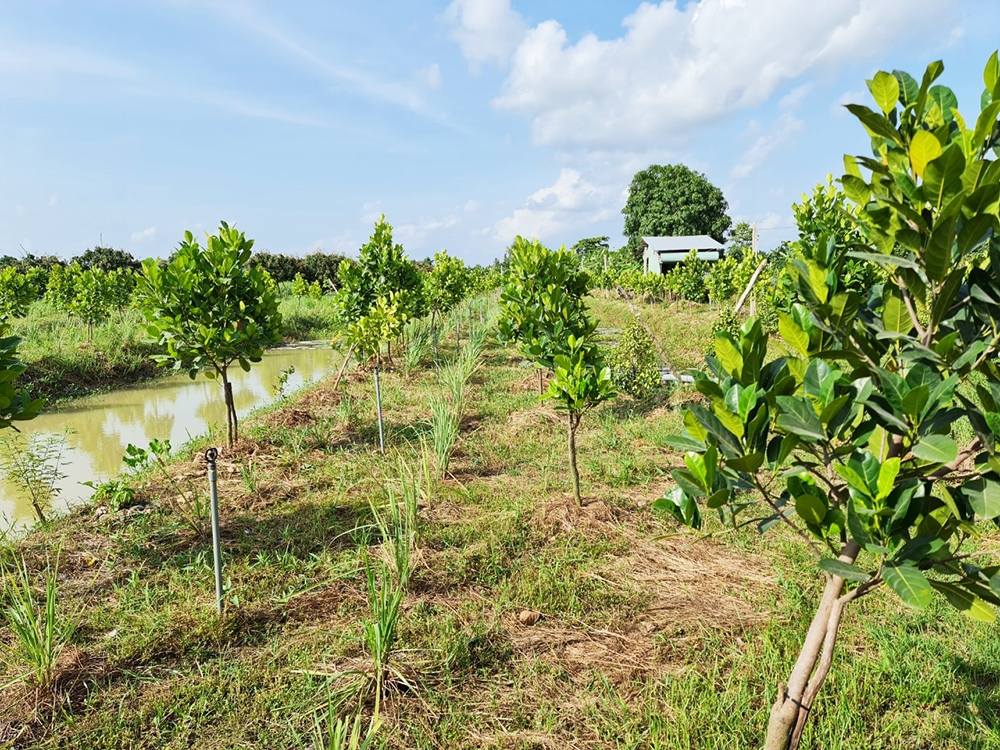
[{"x": 97, "y": 428}]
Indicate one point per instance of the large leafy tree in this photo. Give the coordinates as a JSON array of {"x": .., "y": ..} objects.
[
  {"x": 672, "y": 200},
  {"x": 210, "y": 307},
  {"x": 858, "y": 438}
]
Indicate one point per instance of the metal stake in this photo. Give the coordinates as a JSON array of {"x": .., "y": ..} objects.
[
  {"x": 378, "y": 407},
  {"x": 213, "y": 488}
]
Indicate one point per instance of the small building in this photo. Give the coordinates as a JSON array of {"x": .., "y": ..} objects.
[{"x": 660, "y": 254}]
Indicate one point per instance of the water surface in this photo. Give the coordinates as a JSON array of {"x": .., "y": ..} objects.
[{"x": 175, "y": 408}]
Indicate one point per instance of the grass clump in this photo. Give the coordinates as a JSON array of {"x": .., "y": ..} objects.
[{"x": 39, "y": 631}]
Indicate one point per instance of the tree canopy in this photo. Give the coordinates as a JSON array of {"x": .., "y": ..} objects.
[
  {"x": 210, "y": 307},
  {"x": 672, "y": 200}
]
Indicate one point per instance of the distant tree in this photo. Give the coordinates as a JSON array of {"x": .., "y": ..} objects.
[
  {"x": 444, "y": 287},
  {"x": 592, "y": 246},
  {"x": 321, "y": 267},
  {"x": 16, "y": 293},
  {"x": 107, "y": 259},
  {"x": 280, "y": 267},
  {"x": 211, "y": 307},
  {"x": 673, "y": 200},
  {"x": 94, "y": 296},
  {"x": 739, "y": 244}
]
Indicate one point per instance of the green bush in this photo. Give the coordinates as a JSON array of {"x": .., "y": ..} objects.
[
  {"x": 634, "y": 365},
  {"x": 687, "y": 279}
]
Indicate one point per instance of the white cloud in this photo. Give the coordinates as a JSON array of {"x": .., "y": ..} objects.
[
  {"x": 793, "y": 98},
  {"x": 676, "y": 69},
  {"x": 571, "y": 201},
  {"x": 471, "y": 206},
  {"x": 22, "y": 59},
  {"x": 429, "y": 77},
  {"x": 54, "y": 199},
  {"x": 779, "y": 133},
  {"x": 488, "y": 31},
  {"x": 526, "y": 222},
  {"x": 143, "y": 235}
]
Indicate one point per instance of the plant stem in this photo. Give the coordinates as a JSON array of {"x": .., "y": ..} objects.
[
  {"x": 574, "y": 422},
  {"x": 378, "y": 409},
  {"x": 791, "y": 707}
]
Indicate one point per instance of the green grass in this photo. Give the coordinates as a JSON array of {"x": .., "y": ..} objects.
[
  {"x": 676, "y": 643},
  {"x": 63, "y": 364}
]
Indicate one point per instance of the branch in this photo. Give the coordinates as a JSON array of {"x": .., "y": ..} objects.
[
  {"x": 864, "y": 588},
  {"x": 970, "y": 450},
  {"x": 767, "y": 499},
  {"x": 908, "y": 301}
]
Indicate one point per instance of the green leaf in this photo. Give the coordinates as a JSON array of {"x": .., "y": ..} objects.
[
  {"x": 908, "y": 87},
  {"x": 844, "y": 570},
  {"x": 886, "y": 477},
  {"x": 991, "y": 73},
  {"x": 895, "y": 317},
  {"x": 924, "y": 148},
  {"x": 875, "y": 124},
  {"x": 729, "y": 354},
  {"x": 984, "y": 497},
  {"x": 793, "y": 334},
  {"x": 885, "y": 90},
  {"x": 943, "y": 176},
  {"x": 965, "y": 602},
  {"x": 938, "y": 449},
  {"x": 748, "y": 463},
  {"x": 909, "y": 584},
  {"x": 797, "y": 417},
  {"x": 811, "y": 509}
]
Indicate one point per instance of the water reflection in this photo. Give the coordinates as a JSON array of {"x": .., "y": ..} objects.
[{"x": 98, "y": 428}]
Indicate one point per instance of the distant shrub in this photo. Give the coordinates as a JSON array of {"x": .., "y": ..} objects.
[
  {"x": 687, "y": 279},
  {"x": 634, "y": 366}
]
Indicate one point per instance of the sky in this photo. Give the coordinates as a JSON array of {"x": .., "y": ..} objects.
[{"x": 127, "y": 122}]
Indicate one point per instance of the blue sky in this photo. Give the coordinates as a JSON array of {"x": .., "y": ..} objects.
[{"x": 465, "y": 122}]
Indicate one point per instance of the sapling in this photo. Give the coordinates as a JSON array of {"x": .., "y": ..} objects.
[
  {"x": 581, "y": 382},
  {"x": 209, "y": 308},
  {"x": 853, "y": 437}
]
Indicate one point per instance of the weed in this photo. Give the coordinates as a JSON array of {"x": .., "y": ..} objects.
[
  {"x": 444, "y": 432},
  {"x": 191, "y": 506},
  {"x": 250, "y": 476},
  {"x": 39, "y": 632},
  {"x": 282, "y": 382},
  {"x": 419, "y": 339},
  {"x": 116, "y": 493},
  {"x": 332, "y": 732},
  {"x": 32, "y": 465}
]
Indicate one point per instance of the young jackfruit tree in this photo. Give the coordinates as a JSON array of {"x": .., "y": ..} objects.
[
  {"x": 210, "y": 307},
  {"x": 856, "y": 438},
  {"x": 541, "y": 304},
  {"x": 542, "y": 309},
  {"x": 635, "y": 368}
]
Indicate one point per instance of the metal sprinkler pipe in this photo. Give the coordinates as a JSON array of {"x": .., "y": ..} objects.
[{"x": 213, "y": 488}]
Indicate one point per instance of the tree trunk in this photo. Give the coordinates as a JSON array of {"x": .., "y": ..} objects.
[
  {"x": 434, "y": 332},
  {"x": 792, "y": 705},
  {"x": 232, "y": 425},
  {"x": 343, "y": 367},
  {"x": 458, "y": 335},
  {"x": 540, "y": 391},
  {"x": 574, "y": 422},
  {"x": 378, "y": 410}
]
